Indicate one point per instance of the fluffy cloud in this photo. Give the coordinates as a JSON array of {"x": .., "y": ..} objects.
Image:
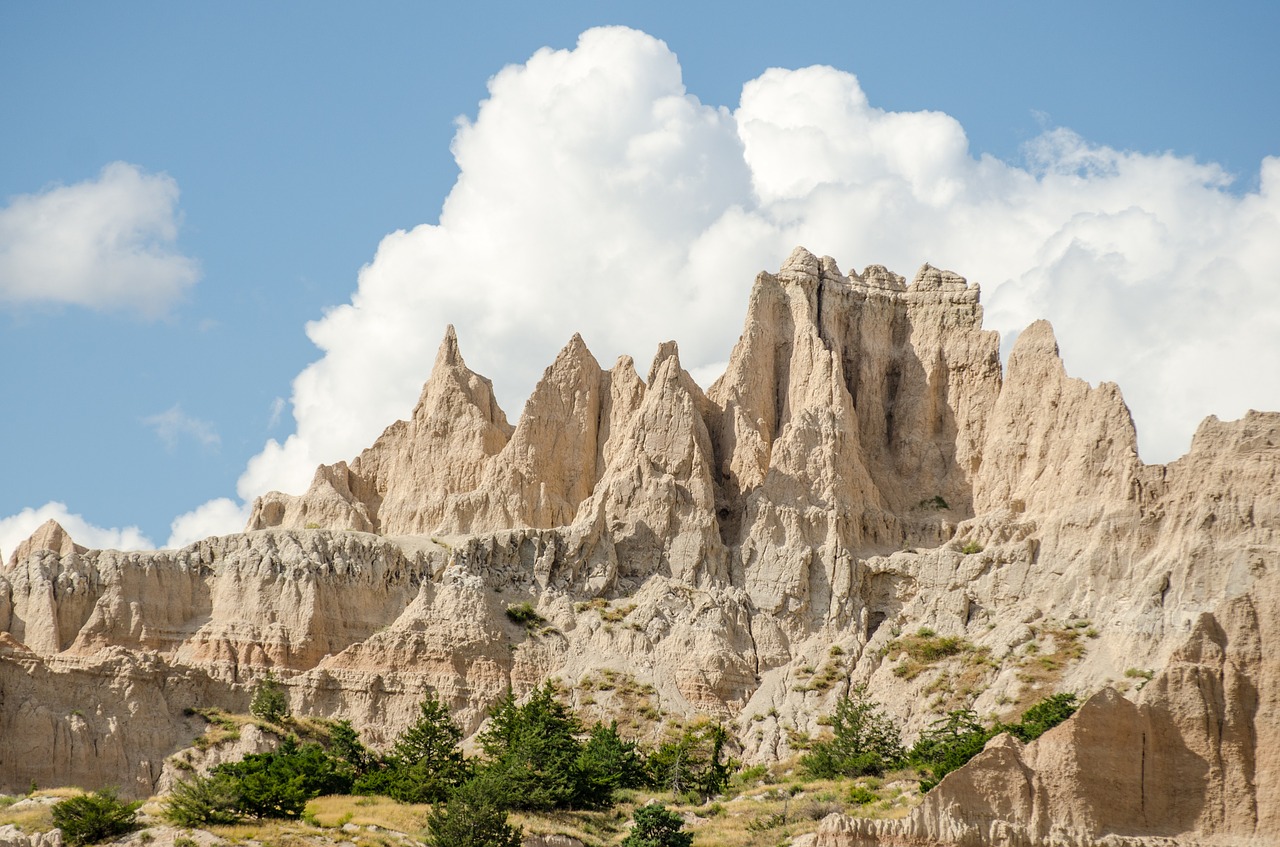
[
  {"x": 217, "y": 517},
  {"x": 18, "y": 528},
  {"x": 595, "y": 194},
  {"x": 106, "y": 243}
]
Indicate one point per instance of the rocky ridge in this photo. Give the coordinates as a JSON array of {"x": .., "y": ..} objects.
[{"x": 864, "y": 469}]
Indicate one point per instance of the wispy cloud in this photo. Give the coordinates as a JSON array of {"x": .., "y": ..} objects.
[
  {"x": 105, "y": 243},
  {"x": 277, "y": 409},
  {"x": 173, "y": 424}
]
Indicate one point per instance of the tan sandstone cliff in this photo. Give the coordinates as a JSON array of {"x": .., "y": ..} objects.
[{"x": 864, "y": 468}]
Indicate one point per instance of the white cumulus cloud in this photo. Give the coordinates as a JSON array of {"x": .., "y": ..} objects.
[
  {"x": 596, "y": 194},
  {"x": 16, "y": 529},
  {"x": 105, "y": 243},
  {"x": 222, "y": 516}
]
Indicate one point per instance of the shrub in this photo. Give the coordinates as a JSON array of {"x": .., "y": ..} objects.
[
  {"x": 861, "y": 795},
  {"x": 475, "y": 815},
  {"x": 971, "y": 548},
  {"x": 95, "y": 817},
  {"x": 947, "y": 744},
  {"x": 656, "y": 826},
  {"x": 955, "y": 739},
  {"x": 203, "y": 801},
  {"x": 865, "y": 741},
  {"x": 269, "y": 702},
  {"x": 534, "y": 760},
  {"x": 279, "y": 784},
  {"x": 345, "y": 745},
  {"x": 524, "y": 615},
  {"x": 1042, "y": 717}
]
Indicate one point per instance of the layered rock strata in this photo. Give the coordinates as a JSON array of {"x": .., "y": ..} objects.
[{"x": 865, "y": 470}]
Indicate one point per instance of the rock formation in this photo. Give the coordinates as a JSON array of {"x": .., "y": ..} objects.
[
  {"x": 865, "y": 468},
  {"x": 1192, "y": 758}
]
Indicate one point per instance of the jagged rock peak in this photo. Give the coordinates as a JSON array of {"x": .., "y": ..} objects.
[
  {"x": 831, "y": 270},
  {"x": 449, "y": 355},
  {"x": 1036, "y": 341},
  {"x": 929, "y": 278},
  {"x": 1256, "y": 432},
  {"x": 878, "y": 276},
  {"x": 801, "y": 261},
  {"x": 49, "y": 536},
  {"x": 666, "y": 350},
  {"x": 574, "y": 353}
]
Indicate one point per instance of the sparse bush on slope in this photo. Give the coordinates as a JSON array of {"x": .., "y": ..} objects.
[
  {"x": 865, "y": 741},
  {"x": 91, "y": 818}
]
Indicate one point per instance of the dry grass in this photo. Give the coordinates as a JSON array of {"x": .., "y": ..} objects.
[
  {"x": 960, "y": 684},
  {"x": 56, "y": 793},
  {"x": 382, "y": 822},
  {"x": 595, "y": 829},
  {"x": 772, "y": 815},
  {"x": 222, "y": 727},
  {"x": 226, "y": 726},
  {"x": 922, "y": 650},
  {"x": 28, "y": 817},
  {"x": 1043, "y": 661},
  {"x": 765, "y": 812},
  {"x": 34, "y": 812},
  {"x": 265, "y": 831},
  {"x": 336, "y": 810},
  {"x": 831, "y": 672}
]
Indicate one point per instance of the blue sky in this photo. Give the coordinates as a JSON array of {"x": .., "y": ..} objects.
[{"x": 269, "y": 149}]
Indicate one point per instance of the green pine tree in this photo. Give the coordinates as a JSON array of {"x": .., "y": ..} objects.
[
  {"x": 269, "y": 702},
  {"x": 533, "y": 752},
  {"x": 426, "y": 762},
  {"x": 475, "y": 815},
  {"x": 866, "y": 741},
  {"x": 656, "y": 826}
]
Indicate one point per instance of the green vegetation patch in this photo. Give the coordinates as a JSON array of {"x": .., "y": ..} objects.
[
  {"x": 924, "y": 649},
  {"x": 93, "y": 818},
  {"x": 523, "y": 614}
]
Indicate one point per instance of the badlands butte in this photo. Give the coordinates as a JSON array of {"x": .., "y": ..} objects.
[{"x": 863, "y": 469}]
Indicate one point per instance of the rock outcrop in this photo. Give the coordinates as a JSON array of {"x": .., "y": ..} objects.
[
  {"x": 865, "y": 468},
  {"x": 49, "y": 537}
]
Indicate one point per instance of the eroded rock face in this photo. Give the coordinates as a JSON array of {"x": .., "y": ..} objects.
[
  {"x": 1193, "y": 756},
  {"x": 863, "y": 469}
]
